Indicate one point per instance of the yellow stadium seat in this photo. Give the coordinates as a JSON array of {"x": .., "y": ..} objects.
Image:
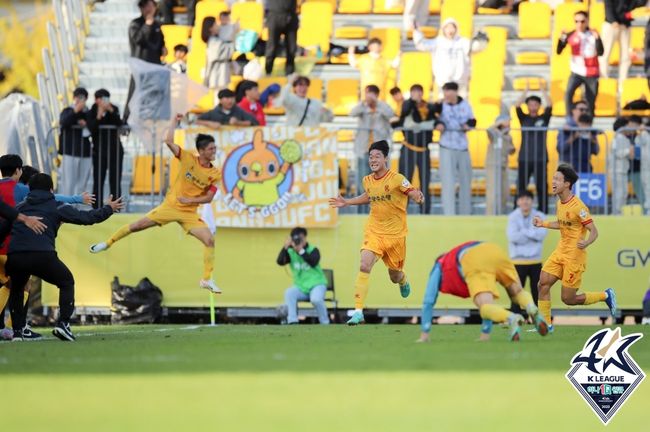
[
  {"x": 434, "y": 7},
  {"x": 563, "y": 20},
  {"x": 266, "y": 81},
  {"x": 633, "y": 89},
  {"x": 428, "y": 32},
  {"x": 332, "y": 3},
  {"x": 315, "y": 26},
  {"x": 491, "y": 11},
  {"x": 250, "y": 16},
  {"x": 174, "y": 35},
  {"x": 534, "y": 20},
  {"x": 637, "y": 42},
  {"x": 462, "y": 11},
  {"x": 315, "y": 90},
  {"x": 531, "y": 58},
  {"x": 345, "y": 135},
  {"x": 351, "y": 32},
  {"x": 534, "y": 83},
  {"x": 398, "y": 136},
  {"x": 142, "y": 181},
  {"x": 606, "y": 99},
  {"x": 596, "y": 15},
  {"x": 342, "y": 95},
  {"x": 206, "y": 8},
  {"x": 390, "y": 39},
  {"x": 415, "y": 68},
  {"x": 205, "y": 104},
  {"x": 379, "y": 7},
  {"x": 355, "y": 6}
]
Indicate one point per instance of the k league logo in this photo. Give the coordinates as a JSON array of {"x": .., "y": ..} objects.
[{"x": 604, "y": 373}]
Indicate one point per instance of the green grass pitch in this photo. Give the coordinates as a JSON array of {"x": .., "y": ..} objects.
[{"x": 303, "y": 378}]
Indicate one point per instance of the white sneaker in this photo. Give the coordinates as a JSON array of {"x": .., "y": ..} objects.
[
  {"x": 210, "y": 286},
  {"x": 645, "y": 321},
  {"x": 99, "y": 247}
]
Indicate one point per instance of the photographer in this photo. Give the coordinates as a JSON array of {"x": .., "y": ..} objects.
[{"x": 309, "y": 280}]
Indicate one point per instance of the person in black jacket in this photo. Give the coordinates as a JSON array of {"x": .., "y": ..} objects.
[
  {"x": 108, "y": 152},
  {"x": 32, "y": 254},
  {"x": 281, "y": 19},
  {"x": 74, "y": 145}
]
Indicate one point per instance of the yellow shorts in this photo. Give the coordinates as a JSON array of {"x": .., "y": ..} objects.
[
  {"x": 566, "y": 268},
  {"x": 391, "y": 250},
  {"x": 164, "y": 214},
  {"x": 484, "y": 265},
  {"x": 3, "y": 274}
]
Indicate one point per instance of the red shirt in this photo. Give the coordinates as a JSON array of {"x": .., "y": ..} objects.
[{"x": 255, "y": 109}]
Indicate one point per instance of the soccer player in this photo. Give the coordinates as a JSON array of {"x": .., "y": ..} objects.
[
  {"x": 388, "y": 193},
  {"x": 472, "y": 269},
  {"x": 569, "y": 259},
  {"x": 195, "y": 184}
]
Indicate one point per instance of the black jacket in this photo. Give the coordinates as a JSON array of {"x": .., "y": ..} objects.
[
  {"x": 54, "y": 213},
  {"x": 71, "y": 140},
  {"x": 312, "y": 258},
  {"x": 105, "y": 139},
  {"x": 619, "y": 10},
  {"x": 281, "y": 6},
  {"x": 146, "y": 41},
  {"x": 409, "y": 108}
]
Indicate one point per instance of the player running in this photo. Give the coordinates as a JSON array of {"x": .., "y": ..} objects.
[
  {"x": 472, "y": 270},
  {"x": 569, "y": 259},
  {"x": 388, "y": 193},
  {"x": 195, "y": 184}
]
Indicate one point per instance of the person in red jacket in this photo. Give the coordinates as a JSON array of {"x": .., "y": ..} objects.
[{"x": 251, "y": 101}]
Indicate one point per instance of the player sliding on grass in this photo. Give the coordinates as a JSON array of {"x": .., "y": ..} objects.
[
  {"x": 195, "y": 184},
  {"x": 388, "y": 193},
  {"x": 569, "y": 259},
  {"x": 472, "y": 269}
]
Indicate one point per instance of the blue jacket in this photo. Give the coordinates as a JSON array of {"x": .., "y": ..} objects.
[{"x": 525, "y": 241}]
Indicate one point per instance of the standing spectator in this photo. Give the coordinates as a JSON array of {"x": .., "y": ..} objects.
[
  {"x": 417, "y": 119},
  {"x": 226, "y": 113},
  {"x": 533, "y": 155},
  {"x": 146, "y": 41},
  {"x": 218, "y": 56},
  {"x": 455, "y": 119},
  {"x": 251, "y": 102},
  {"x": 496, "y": 165},
  {"x": 180, "y": 59},
  {"x": 74, "y": 146},
  {"x": 616, "y": 28},
  {"x": 586, "y": 46},
  {"x": 580, "y": 145},
  {"x": 301, "y": 110},
  {"x": 373, "y": 124},
  {"x": 620, "y": 154},
  {"x": 309, "y": 281},
  {"x": 281, "y": 19},
  {"x": 640, "y": 166},
  {"x": 373, "y": 67},
  {"x": 416, "y": 13},
  {"x": 525, "y": 242},
  {"x": 450, "y": 54},
  {"x": 227, "y": 30},
  {"x": 108, "y": 152},
  {"x": 397, "y": 99}
]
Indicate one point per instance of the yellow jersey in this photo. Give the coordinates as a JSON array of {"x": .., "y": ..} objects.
[
  {"x": 388, "y": 201},
  {"x": 192, "y": 181},
  {"x": 572, "y": 216}
]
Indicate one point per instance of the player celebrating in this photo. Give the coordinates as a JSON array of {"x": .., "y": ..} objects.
[
  {"x": 569, "y": 259},
  {"x": 472, "y": 270},
  {"x": 388, "y": 193},
  {"x": 195, "y": 184}
]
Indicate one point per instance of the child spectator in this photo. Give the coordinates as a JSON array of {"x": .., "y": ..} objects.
[
  {"x": 251, "y": 101},
  {"x": 180, "y": 63}
]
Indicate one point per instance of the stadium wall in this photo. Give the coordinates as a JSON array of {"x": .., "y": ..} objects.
[{"x": 247, "y": 272}]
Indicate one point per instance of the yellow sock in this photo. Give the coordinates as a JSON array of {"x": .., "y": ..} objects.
[
  {"x": 545, "y": 309},
  {"x": 494, "y": 312},
  {"x": 524, "y": 299},
  {"x": 208, "y": 262},
  {"x": 361, "y": 289},
  {"x": 594, "y": 297},
  {"x": 4, "y": 297},
  {"x": 404, "y": 280},
  {"x": 119, "y": 235},
  {"x": 25, "y": 298}
]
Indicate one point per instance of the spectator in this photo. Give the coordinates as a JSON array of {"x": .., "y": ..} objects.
[
  {"x": 301, "y": 110},
  {"x": 74, "y": 146},
  {"x": 525, "y": 242},
  {"x": 417, "y": 119},
  {"x": 416, "y": 14},
  {"x": 146, "y": 41},
  {"x": 108, "y": 152},
  {"x": 166, "y": 9},
  {"x": 586, "y": 46},
  {"x": 218, "y": 55},
  {"x": 640, "y": 166},
  {"x": 226, "y": 113},
  {"x": 620, "y": 154},
  {"x": 455, "y": 119},
  {"x": 309, "y": 281},
  {"x": 496, "y": 165},
  {"x": 397, "y": 99},
  {"x": 616, "y": 28},
  {"x": 579, "y": 108},
  {"x": 533, "y": 155},
  {"x": 227, "y": 30},
  {"x": 373, "y": 124},
  {"x": 251, "y": 101},
  {"x": 180, "y": 55},
  {"x": 450, "y": 56},
  {"x": 281, "y": 19},
  {"x": 580, "y": 145},
  {"x": 373, "y": 67}
]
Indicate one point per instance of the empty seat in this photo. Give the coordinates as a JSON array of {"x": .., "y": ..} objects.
[
  {"x": 315, "y": 26},
  {"x": 379, "y": 7},
  {"x": 633, "y": 89},
  {"x": 637, "y": 42},
  {"x": 342, "y": 95},
  {"x": 390, "y": 39},
  {"x": 355, "y": 6},
  {"x": 434, "y": 7},
  {"x": 415, "y": 68},
  {"x": 141, "y": 183},
  {"x": 596, "y": 15},
  {"x": 606, "y": 98},
  {"x": 315, "y": 90},
  {"x": 534, "y": 83},
  {"x": 534, "y": 20},
  {"x": 563, "y": 20},
  {"x": 531, "y": 58},
  {"x": 351, "y": 32},
  {"x": 174, "y": 35},
  {"x": 463, "y": 12},
  {"x": 250, "y": 16},
  {"x": 206, "y": 8},
  {"x": 332, "y": 3},
  {"x": 428, "y": 32}
]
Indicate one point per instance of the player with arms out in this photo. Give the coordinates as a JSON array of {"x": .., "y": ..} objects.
[
  {"x": 388, "y": 193},
  {"x": 569, "y": 259},
  {"x": 195, "y": 184}
]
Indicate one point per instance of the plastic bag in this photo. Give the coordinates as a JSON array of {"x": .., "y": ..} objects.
[
  {"x": 135, "y": 305},
  {"x": 245, "y": 41}
]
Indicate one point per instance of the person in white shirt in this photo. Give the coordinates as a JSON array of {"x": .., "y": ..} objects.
[
  {"x": 619, "y": 157},
  {"x": 301, "y": 110}
]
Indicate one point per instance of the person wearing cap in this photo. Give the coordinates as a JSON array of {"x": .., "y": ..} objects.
[
  {"x": 250, "y": 101},
  {"x": 301, "y": 110},
  {"x": 74, "y": 146},
  {"x": 226, "y": 113},
  {"x": 496, "y": 165}
]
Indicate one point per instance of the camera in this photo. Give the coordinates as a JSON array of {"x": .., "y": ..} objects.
[{"x": 296, "y": 239}]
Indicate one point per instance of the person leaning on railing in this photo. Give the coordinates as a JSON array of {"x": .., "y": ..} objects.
[
  {"x": 74, "y": 146},
  {"x": 496, "y": 166}
]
